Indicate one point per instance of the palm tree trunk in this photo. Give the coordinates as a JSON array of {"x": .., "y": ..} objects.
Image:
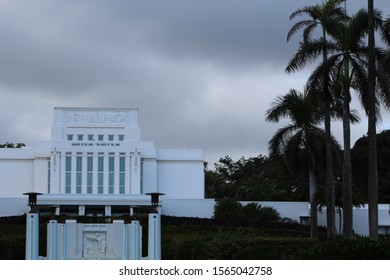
[
  {"x": 329, "y": 183},
  {"x": 372, "y": 149},
  {"x": 347, "y": 168},
  {"x": 313, "y": 204}
]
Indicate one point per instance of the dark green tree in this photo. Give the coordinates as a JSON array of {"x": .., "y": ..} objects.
[
  {"x": 258, "y": 178},
  {"x": 12, "y": 145},
  {"x": 359, "y": 166}
]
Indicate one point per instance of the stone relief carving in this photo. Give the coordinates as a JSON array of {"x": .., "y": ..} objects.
[{"x": 94, "y": 245}]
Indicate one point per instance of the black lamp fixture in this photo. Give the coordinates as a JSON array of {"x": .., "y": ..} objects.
[
  {"x": 32, "y": 201},
  {"x": 154, "y": 196}
]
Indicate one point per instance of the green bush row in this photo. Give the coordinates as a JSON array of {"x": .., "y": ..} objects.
[
  {"x": 241, "y": 246},
  {"x": 230, "y": 212},
  {"x": 360, "y": 248}
]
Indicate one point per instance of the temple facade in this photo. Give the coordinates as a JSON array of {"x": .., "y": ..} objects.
[{"x": 97, "y": 163}]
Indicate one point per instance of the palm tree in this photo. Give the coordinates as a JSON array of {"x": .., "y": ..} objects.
[
  {"x": 347, "y": 66},
  {"x": 301, "y": 140},
  {"x": 324, "y": 16}
]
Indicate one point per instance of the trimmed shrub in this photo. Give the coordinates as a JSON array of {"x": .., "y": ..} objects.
[{"x": 229, "y": 212}]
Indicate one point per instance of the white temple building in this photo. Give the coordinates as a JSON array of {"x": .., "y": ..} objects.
[{"x": 97, "y": 164}]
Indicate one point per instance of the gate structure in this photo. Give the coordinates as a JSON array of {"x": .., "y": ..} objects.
[{"x": 78, "y": 241}]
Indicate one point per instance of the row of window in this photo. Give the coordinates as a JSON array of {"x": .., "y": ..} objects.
[
  {"x": 99, "y": 137},
  {"x": 100, "y": 177}
]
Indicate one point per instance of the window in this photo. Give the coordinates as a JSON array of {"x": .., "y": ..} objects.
[
  {"x": 70, "y": 137},
  {"x": 100, "y": 137},
  {"x": 142, "y": 176},
  {"x": 90, "y": 137},
  {"x": 89, "y": 173},
  {"x": 68, "y": 173},
  {"x": 48, "y": 175},
  {"x": 110, "y": 137},
  {"x": 111, "y": 165},
  {"x": 80, "y": 137},
  {"x": 121, "y": 137},
  {"x": 79, "y": 169},
  {"x": 122, "y": 162},
  {"x": 100, "y": 173}
]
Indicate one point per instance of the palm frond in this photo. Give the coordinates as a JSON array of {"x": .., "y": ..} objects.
[{"x": 308, "y": 51}]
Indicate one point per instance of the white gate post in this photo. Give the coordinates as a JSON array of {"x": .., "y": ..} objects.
[
  {"x": 52, "y": 240},
  {"x": 32, "y": 236},
  {"x": 32, "y": 228},
  {"x": 154, "y": 237},
  {"x": 135, "y": 241}
]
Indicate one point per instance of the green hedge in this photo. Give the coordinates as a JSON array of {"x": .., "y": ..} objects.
[
  {"x": 199, "y": 243},
  {"x": 360, "y": 248},
  {"x": 12, "y": 247},
  {"x": 229, "y": 244},
  {"x": 201, "y": 239}
]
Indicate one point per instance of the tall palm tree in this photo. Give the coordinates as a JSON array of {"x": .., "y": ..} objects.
[
  {"x": 347, "y": 65},
  {"x": 302, "y": 139},
  {"x": 323, "y": 16}
]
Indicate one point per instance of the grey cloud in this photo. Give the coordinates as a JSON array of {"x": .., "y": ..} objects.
[{"x": 202, "y": 72}]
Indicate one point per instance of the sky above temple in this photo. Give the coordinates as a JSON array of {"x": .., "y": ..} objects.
[{"x": 202, "y": 72}]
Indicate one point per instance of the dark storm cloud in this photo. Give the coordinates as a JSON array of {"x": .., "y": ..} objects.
[{"x": 202, "y": 72}]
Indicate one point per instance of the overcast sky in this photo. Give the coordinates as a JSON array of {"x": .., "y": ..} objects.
[{"x": 201, "y": 72}]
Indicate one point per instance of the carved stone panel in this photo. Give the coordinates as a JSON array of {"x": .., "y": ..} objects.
[{"x": 94, "y": 245}]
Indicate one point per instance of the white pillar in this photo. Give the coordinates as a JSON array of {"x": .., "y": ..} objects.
[
  {"x": 73, "y": 173},
  {"x": 116, "y": 173},
  {"x": 154, "y": 237},
  {"x": 135, "y": 241},
  {"x": 135, "y": 172},
  {"x": 32, "y": 236},
  {"x": 52, "y": 239},
  {"x": 95, "y": 173},
  {"x": 127, "y": 174},
  {"x": 107, "y": 210},
  {"x": 81, "y": 210},
  {"x": 105, "y": 172},
  {"x": 62, "y": 170}
]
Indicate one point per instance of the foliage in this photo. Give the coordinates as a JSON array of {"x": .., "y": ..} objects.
[
  {"x": 238, "y": 243},
  {"x": 200, "y": 239},
  {"x": 254, "y": 179},
  {"x": 359, "y": 165},
  {"x": 359, "y": 248},
  {"x": 12, "y": 145},
  {"x": 229, "y": 212},
  {"x": 12, "y": 247}
]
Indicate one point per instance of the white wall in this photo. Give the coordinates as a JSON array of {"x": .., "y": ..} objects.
[
  {"x": 180, "y": 173},
  {"x": 17, "y": 177},
  {"x": 13, "y": 206},
  {"x": 181, "y": 179},
  {"x": 199, "y": 208}
]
